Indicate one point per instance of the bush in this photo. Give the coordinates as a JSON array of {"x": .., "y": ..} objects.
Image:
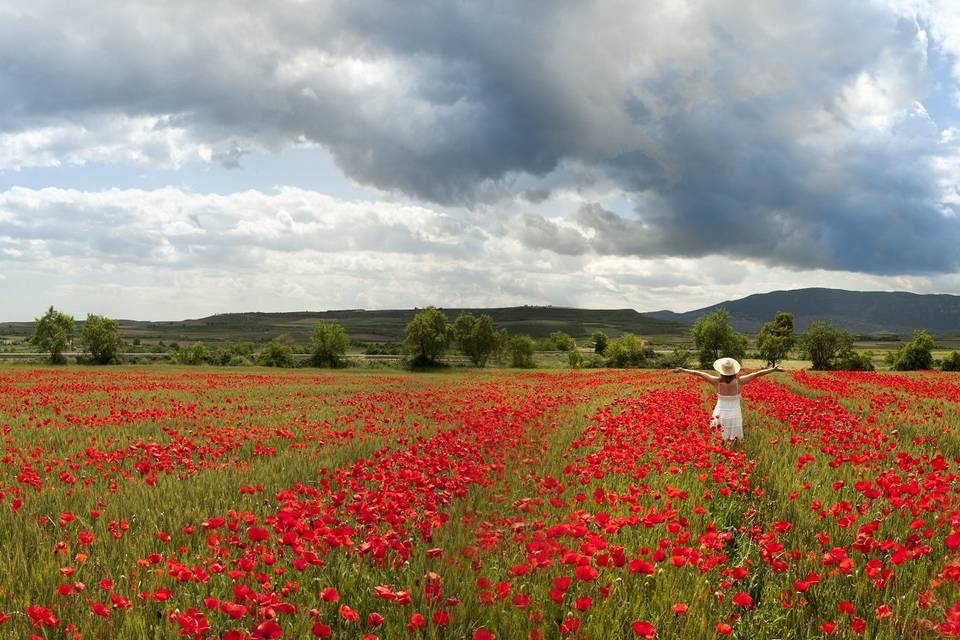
[
  {"x": 574, "y": 359},
  {"x": 628, "y": 350},
  {"x": 562, "y": 342},
  {"x": 951, "y": 362},
  {"x": 277, "y": 353},
  {"x": 195, "y": 355},
  {"x": 679, "y": 357},
  {"x": 521, "y": 352},
  {"x": 850, "y": 360},
  {"x": 915, "y": 355}
]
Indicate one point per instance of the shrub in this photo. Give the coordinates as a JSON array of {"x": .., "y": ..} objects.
[
  {"x": 951, "y": 362},
  {"x": 574, "y": 359},
  {"x": 916, "y": 354},
  {"x": 628, "y": 350},
  {"x": 850, "y": 360},
  {"x": 679, "y": 357},
  {"x": 521, "y": 352},
  {"x": 277, "y": 353}
]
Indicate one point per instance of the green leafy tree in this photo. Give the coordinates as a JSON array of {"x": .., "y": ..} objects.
[
  {"x": 574, "y": 359},
  {"x": 628, "y": 350},
  {"x": 428, "y": 336},
  {"x": 53, "y": 333},
  {"x": 776, "y": 339},
  {"x": 476, "y": 337},
  {"x": 278, "y": 353},
  {"x": 951, "y": 362},
  {"x": 328, "y": 345},
  {"x": 714, "y": 338},
  {"x": 562, "y": 341},
  {"x": 521, "y": 352},
  {"x": 600, "y": 341},
  {"x": 101, "y": 339},
  {"x": 825, "y": 346},
  {"x": 916, "y": 354}
]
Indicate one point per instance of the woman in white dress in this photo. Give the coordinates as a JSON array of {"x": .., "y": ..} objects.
[{"x": 727, "y": 412}]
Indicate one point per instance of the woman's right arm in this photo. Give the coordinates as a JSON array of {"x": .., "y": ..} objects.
[{"x": 699, "y": 374}]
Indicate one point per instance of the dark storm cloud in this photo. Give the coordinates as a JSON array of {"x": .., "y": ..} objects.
[{"x": 781, "y": 131}]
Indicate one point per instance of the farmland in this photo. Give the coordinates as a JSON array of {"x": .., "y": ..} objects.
[{"x": 162, "y": 503}]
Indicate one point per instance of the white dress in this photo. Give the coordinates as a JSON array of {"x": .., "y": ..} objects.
[{"x": 727, "y": 414}]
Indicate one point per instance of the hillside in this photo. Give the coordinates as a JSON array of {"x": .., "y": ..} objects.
[
  {"x": 862, "y": 312},
  {"x": 379, "y": 326}
]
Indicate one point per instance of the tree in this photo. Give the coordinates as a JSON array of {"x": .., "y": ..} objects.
[
  {"x": 278, "y": 353},
  {"x": 714, "y": 338},
  {"x": 628, "y": 350},
  {"x": 521, "y": 352},
  {"x": 915, "y": 354},
  {"x": 101, "y": 339},
  {"x": 775, "y": 339},
  {"x": 328, "y": 344},
  {"x": 951, "y": 362},
  {"x": 428, "y": 336},
  {"x": 562, "y": 341},
  {"x": 600, "y": 341},
  {"x": 476, "y": 337},
  {"x": 824, "y": 345},
  {"x": 53, "y": 333}
]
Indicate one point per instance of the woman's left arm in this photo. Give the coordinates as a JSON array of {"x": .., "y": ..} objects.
[{"x": 757, "y": 374}]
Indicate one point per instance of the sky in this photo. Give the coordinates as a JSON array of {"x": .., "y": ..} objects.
[{"x": 162, "y": 161}]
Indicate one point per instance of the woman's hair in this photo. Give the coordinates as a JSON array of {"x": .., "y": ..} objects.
[{"x": 727, "y": 379}]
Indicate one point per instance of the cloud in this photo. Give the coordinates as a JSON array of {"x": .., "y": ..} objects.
[{"x": 787, "y": 133}]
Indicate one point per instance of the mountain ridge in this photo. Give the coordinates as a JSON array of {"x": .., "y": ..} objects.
[{"x": 862, "y": 312}]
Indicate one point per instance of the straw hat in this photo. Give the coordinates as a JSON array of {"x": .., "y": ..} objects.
[{"x": 727, "y": 366}]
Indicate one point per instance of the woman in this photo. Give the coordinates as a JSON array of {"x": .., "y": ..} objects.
[{"x": 727, "y": 412}]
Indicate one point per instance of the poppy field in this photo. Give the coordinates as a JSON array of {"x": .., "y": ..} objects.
[{"x": 175, "y": 503}]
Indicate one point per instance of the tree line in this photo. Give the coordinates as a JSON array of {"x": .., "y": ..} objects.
[{"x": 430, "y": 335}]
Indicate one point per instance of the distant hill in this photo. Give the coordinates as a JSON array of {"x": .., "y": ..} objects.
[
  {"x": 862, "y": 312},
  {"x": 380, "y": 326}
]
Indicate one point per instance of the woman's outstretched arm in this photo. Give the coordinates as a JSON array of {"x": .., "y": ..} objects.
[
  {"x": 700, "y": 374},
  {"x": 757, "y": 374}
]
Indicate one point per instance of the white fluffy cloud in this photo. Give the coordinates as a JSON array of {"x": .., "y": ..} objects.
[{"x": 171, "y": 254}]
